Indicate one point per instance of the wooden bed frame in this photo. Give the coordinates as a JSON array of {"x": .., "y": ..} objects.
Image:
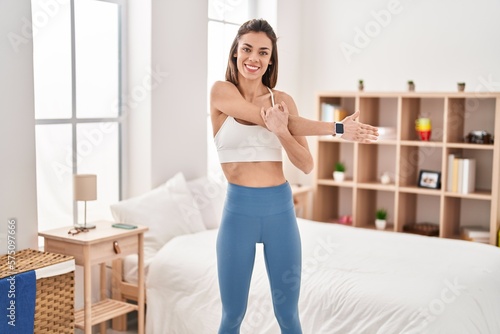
[{"x": 121, "y": 290}]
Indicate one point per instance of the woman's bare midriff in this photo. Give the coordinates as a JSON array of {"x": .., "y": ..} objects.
[{"x": 254, "y": 174}]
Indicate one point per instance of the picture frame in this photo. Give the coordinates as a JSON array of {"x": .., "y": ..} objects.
[{"x": 429, "y": 179}]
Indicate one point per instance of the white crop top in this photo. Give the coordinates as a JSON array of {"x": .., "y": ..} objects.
[{"x": 238, "y": 142}]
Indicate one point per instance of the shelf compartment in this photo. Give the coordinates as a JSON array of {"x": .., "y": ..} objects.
[
  {"x": 335, "y": 202},
  {"x": 346, "y": 103},
  {"x": 413, "y": 159},
  {"x": 469, "y": 114},
  {"x": 380, "y": 112},
  {"x": 368, "y": 202},
  {"x": 371, "y": 155},
  {"x": 331, "y": 152},
  {"x": 465, "y": 211},
  {"x": 484, "y": 169},
  {"x": 415, "y": 208},
  {"x": 415, "y": 107},
  {"x": 104, "y": 310}
]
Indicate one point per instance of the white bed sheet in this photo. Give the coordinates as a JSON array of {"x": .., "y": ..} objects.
[{"x": 353, "y": 281}]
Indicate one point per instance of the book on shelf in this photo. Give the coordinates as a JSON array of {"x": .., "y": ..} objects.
[
  {"x": 475, "y": 233},
  {"x": 449, "y": 181},
  {"x": 327, "y": 112},
  {"x": 461, "y": 174},
  {"x": 332, "y": 112}
]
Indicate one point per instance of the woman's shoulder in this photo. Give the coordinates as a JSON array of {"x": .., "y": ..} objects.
[
  {"x": 223, "y": 85},
  {"x": 282, "y": 96},
  {"x": 222, "y": 89}
]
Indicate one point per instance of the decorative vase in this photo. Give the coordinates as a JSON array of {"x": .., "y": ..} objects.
[
  {"x": 380, "y": 224},
  {"x": 423, "y": 127},
  {"x": 411, "y": 86},
  {"x": 385, "y": 178},
  {"x": 461, "y": 86},
  {"x": 361, "y": 86},
  {"x": 339, "y": 176}
]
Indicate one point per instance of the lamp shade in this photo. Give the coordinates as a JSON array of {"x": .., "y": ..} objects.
[{"x": 85, "y": 187}]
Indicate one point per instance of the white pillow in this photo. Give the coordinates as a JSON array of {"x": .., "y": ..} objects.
[
  {"x": 167, "y": 210},
  {"x": 209, "y": 194}
]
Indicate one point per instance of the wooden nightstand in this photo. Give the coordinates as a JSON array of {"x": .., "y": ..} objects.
[{"x": 97, "y": 246}]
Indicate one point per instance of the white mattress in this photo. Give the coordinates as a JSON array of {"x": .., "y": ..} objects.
[{"x": 353, "y": 281}]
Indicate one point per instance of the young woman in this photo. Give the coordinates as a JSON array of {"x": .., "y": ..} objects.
[{"x": 252, "y": 123}]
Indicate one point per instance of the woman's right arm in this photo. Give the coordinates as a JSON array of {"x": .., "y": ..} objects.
[{"x": 226, "y": 98}]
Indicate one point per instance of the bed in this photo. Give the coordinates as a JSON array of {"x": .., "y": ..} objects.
[{"x": 354, "y": 280}]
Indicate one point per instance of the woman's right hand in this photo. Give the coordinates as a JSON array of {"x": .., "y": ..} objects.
[{"x": 276, "y": 118}]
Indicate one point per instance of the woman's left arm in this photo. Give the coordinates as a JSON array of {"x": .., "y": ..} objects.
[{"x": 296, "y": 147}]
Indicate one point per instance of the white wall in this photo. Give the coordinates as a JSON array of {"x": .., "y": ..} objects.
[
  {"x": 138, "y": 85},
  {"x": 169, "y": 135},
  {"x": 434, "y": 43},
  {"x": 179, "y": 48},
  {"x": 17, "y": 128},
  {"x": 290, "y": 53}
]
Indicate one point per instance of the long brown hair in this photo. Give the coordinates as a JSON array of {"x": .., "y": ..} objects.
[{"x": 269, "y": 78}]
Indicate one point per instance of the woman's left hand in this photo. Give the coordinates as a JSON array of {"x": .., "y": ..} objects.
[
  {"x": 276, "y": 118},
  {"x": 359, "y": 132}
]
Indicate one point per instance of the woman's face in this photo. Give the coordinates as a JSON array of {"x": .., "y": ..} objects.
[{"x": 253, "y": 55}]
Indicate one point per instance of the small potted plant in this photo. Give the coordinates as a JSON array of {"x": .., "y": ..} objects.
[
  {"x": 361, "y": 86},
  {"x": 339, "y": 172},
  {"x": 380, "y": 219},
  {"x": 461, "y": 86},
  {"x": 411, "y": 86}
]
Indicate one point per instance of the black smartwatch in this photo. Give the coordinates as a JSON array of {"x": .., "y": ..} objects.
[{"x": 339, "y": 129}]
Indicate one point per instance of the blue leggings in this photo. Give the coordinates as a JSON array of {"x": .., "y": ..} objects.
[{"x": 259, "y": 215}]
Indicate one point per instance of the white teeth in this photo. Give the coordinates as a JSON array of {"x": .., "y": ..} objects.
[{"x": 252, "y": 67}]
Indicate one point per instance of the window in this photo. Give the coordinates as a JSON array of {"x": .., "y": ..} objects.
[{"x": 77, "y": 67}]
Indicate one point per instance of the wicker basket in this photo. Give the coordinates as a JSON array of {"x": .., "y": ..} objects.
[{"x": 54, "y": 309}]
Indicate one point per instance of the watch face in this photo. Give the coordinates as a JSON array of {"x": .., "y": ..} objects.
[{"x": 339, "y": 128}]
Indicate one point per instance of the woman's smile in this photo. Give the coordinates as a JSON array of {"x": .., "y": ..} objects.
[{"x": 252, "y": 68}]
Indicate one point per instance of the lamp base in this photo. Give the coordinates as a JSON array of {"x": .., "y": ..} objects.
[{"x": 83, "y": 227}]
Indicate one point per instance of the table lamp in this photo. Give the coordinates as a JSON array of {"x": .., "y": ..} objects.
[{"x": 85, "y": 189}]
